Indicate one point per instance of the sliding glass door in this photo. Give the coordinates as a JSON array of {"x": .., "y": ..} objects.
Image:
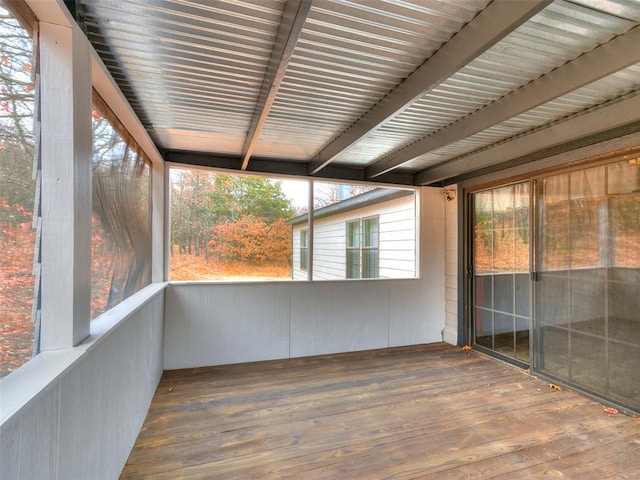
[
  {"x": 582, "y": 310},
  {"x": 501, "y": 285},
  {"x": 587, "y": 305}
]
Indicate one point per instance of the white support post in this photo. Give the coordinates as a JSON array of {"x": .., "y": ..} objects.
[
  {"x": 66, "y": 143},
  {"x": 159, "y": 236}
]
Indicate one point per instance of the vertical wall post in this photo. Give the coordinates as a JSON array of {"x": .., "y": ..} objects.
[
  {"x": 160, "y": 237},
  {"x": 66, "y": 146}
]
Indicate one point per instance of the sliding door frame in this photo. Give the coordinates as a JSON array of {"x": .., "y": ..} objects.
[
  {"x": 488, "y": 182},
  {"x": 469, "y": 271}
]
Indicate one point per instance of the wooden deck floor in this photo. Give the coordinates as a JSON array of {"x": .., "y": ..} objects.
[{"x": 418, "y": 412}]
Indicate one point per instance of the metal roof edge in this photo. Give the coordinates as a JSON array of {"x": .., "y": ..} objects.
[{"x": 366, "y": 199}]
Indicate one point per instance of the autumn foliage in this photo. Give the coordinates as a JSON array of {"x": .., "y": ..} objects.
[
  {"x": 17, "y": 188},
  {"x": 251, "y": 239},
  {"x": 228, "y": 226},
  {"x": 16, "y": 292}
]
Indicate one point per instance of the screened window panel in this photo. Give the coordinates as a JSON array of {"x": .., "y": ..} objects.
[
  {"x": 349, "y": 219},
  {"x": 235, "y": 227},
  {"x": 121, "y": 221}
]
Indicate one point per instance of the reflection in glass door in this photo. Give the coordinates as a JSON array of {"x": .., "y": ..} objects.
[
  {"x": 588, "y": 294},
  {"x": 501, "y": 284}
]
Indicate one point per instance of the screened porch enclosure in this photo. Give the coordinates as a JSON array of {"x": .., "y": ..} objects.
[
  {"x": 531, "y": 106},
  {"x": 582, "y": 309}
]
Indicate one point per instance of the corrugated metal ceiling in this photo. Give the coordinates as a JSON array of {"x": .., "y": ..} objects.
[{"x": 347, "y": 100}]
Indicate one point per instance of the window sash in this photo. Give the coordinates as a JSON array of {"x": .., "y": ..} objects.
[
  {"x": 304, "y": 250},
  {"x": 353, "y": 234},
  {"x": 353, "y": 263},
  {"x": 370, "y": 232},
  {"x": 370, "y": 263},
  {"x": 362, "y": 252}
]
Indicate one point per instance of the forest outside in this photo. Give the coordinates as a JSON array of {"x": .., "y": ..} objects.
[
  {"x": 232, "y": 227},
  {"x": 17, "y": 192},
  {"x": 121, "y": 242}
]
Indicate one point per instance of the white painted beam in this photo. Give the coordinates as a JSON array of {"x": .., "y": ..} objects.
[
  {"x": 293, "y": 19},
  {"x": 66, "y": 145},
  {"x": 614, "y": 115},
  {"x": 487, "y": 28},
  {"x": 607, "y": 59}
]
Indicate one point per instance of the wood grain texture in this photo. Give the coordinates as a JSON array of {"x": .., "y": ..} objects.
[{"x": 430, "y": 411}]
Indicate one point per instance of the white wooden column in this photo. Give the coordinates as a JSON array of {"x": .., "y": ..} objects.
[
  {"x": 66, "y": 145},
  {"x": 160, "y": 241}
]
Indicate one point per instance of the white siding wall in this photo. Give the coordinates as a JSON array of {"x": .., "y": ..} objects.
[
  {"x": 329, "y": 244},
  {"x": 215, "y": 323},
  {"x": 397, "y": 241},
  {"x": 451, "y": 269},
  {"x": 87, "y": 404}
]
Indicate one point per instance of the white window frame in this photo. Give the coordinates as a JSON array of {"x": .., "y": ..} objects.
[{"x": 361, "y": 247}]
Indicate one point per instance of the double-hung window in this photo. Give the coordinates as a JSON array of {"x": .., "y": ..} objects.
[
  {"x": 304, "y": 249},
  {"x": 362, "y": 252}
]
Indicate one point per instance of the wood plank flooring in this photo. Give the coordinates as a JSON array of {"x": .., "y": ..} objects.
[{"x": 428, "y": 412}]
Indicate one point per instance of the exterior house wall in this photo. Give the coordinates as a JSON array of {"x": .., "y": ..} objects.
[{"x": 397, "y": 241}]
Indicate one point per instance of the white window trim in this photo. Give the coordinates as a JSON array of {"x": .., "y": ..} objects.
[{"x": 361, "y": 247}]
